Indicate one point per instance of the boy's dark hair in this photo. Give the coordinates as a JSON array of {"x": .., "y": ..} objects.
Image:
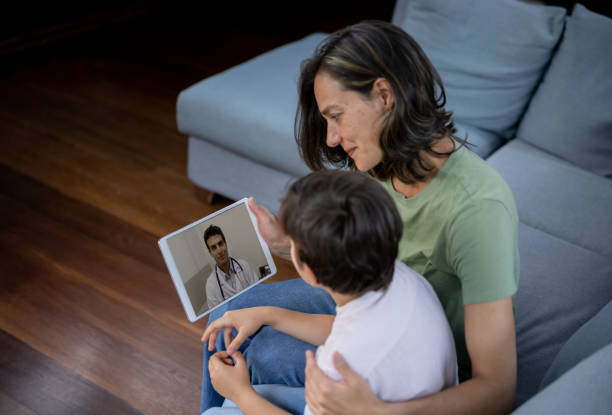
[
  {"x": 212, "y": 230},
  {"x": 345, "y": 227}
]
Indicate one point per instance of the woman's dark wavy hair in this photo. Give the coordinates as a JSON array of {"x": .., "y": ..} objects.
[
  {"x": 346, "y": 227},
  {"x": 356, "y": 56}
]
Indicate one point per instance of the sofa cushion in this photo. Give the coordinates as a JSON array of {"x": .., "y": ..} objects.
[
  {"x": 565, "y": 253},
  {"x": 592, "y": 336},
  {"x": 249, "y": 109},
  {"x": 557, "y": 197},
  {"x": 561, "y": 287},
  {"x": 584, "y": 390},
  {"x": 570, "y": 114},
  {"x": 490, "y": 54},
  {"x": 234, "y": 176}
]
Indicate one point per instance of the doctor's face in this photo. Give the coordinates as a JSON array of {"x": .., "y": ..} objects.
[{"x": 218, "y": 249}]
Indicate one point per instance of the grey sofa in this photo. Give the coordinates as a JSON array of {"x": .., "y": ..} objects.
[{"x": 531, "y": 86}]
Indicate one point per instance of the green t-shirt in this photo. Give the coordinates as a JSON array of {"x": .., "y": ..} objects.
[{"x": 460, "y": 232}]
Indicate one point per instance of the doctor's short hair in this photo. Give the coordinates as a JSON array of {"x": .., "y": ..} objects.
[
  {"x": 346, "y": 227},
  {"x": 212, "y": 230}
]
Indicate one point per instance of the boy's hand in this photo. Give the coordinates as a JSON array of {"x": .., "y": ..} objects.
[
  {"x": 246, "y": 321},
  {"x": 229, "y": 379}
]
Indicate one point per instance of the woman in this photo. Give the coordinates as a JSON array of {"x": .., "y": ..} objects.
[{"x": 371, "y": 100}]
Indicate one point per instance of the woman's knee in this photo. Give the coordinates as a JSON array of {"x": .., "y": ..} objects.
[
  {"x": 276, "y": 358},
  {"x": 293, "y": 294}
]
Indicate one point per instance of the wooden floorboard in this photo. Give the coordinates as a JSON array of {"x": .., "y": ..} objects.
[
  {"x": 57, "y": 389},
  {"x": 87, "y": 165},
  {"x": 83, "y": 218},
  {"x": 99, "y": 313},
  {"x": 8, "y": 405}
]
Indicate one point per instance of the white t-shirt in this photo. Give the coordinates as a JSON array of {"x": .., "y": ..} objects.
[
  {"x": 398, "y": 340},
  {"x": 241, "y": 276}
]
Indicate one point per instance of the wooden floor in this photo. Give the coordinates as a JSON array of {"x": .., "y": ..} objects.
[{"x": 92, "y": 173}]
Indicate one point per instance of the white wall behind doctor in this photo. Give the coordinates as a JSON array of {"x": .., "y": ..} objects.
[{"x": 191, "y": 255}]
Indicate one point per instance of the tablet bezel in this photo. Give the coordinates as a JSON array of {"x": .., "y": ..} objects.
[{"x": 176, "y": 276}]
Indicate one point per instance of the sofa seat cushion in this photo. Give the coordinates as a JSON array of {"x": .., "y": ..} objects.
[
  {"x": 561, "y": 287},
  {"x": 592, "y": 336},
  {"x": 250, "y": 108},
  {"x": 490, "y": 54},
  {"x": 565, "y": 251},
  {"x": 570, "y": 115},
  {"x": 584, "y": 389},
  {"x": 558, "y": 197}
]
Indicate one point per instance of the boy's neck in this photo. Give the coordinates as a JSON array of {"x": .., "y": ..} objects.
[{"x": 341, "y": 299}]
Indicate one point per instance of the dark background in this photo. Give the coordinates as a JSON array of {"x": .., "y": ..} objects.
[{"x": 28, "y": 26}]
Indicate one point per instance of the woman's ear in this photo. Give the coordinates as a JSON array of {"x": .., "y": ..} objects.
[{"x": 382, "y": 89}]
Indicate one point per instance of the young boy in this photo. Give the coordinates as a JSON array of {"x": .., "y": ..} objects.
[{"x": 389, "y": 325}]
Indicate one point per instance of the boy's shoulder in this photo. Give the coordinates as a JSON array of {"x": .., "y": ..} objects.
[
  {"x": 395, "y": 302},
  {"x": 406, "y": 278},
  {"x": 408, "y": 306}
]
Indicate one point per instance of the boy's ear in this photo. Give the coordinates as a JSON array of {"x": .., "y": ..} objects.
[{"x": 303, "y": 268}]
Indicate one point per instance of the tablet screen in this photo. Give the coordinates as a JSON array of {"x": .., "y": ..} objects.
[{"x": 216, "y": 258}]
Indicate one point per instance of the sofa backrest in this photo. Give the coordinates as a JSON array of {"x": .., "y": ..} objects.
[
  {"x": 491, "y": 55},
  {"x": 570, "y": 115}
]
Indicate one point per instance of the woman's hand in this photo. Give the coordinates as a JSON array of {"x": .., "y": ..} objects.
[
  {"x": 246, "y": 321},
  {"x": 270, "y": 230},
  {"x": 229, "y": 379},
  {"x": 325, "y": 396}
]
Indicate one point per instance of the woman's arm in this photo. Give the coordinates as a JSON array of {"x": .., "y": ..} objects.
[{"x": 490, "y": 339}]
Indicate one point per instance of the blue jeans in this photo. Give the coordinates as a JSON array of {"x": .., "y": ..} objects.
[
  {"x": 288, "y": 398},
  {"x": 273, "y": 357}
]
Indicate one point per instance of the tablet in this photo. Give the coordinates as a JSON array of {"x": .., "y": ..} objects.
[{"x": 216, "y": 259}]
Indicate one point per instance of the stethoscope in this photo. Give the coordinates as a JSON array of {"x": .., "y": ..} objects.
[{"x": 231, "y": 269}]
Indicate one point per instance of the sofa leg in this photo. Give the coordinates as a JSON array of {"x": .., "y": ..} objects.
[{"x": 206, "y": 195}]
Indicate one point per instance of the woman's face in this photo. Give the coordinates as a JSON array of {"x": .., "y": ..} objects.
[{"x": 354, "y": 122}]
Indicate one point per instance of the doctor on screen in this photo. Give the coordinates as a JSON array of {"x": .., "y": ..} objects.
[{"x": 230, "y": 275}]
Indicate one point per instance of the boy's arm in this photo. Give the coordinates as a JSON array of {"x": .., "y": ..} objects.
[{"x": 310, "y": 328}]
